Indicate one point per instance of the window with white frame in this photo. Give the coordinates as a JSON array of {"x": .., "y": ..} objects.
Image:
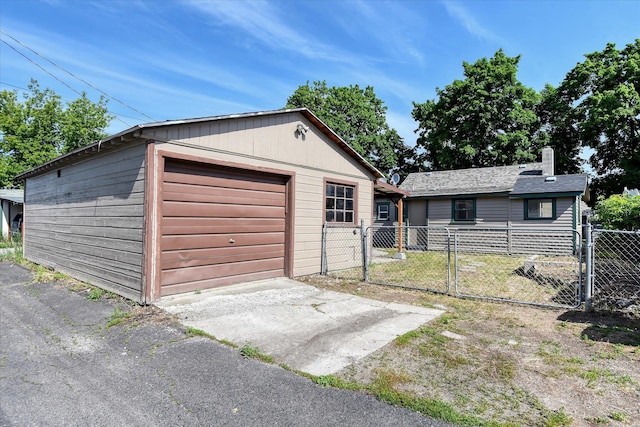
[{"x": 383, "y": 211}]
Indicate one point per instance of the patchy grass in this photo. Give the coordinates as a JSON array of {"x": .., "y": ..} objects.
[
  {"x": 254, "y": 353},
  {"x": 514, "y": 364},
  {"x": 118, "y": 317}
]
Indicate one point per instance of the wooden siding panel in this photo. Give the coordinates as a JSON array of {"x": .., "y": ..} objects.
[{"x": 88, "y": 221}]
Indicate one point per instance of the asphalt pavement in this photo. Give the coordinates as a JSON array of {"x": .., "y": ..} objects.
[{"x": 61, "y": 365}]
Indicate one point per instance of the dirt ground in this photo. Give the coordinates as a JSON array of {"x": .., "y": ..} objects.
[{"x": 510, "y": 364}]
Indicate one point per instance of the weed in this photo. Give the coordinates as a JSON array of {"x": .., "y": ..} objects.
[
  {"x": 254, "y": 353},
  {"x": 95, "y": 294},
  {"x": 118, "y": 317},
  {"x": 193, "y": 332},
  {"x": 197, "y": 292},
  {"x": 596, "y": 375},
  {"x": 333, "y": 381},
  {"x": 618, "y": 416},
  {"x": 407, "y": 338},
  {"x": 557, "y": 418}
]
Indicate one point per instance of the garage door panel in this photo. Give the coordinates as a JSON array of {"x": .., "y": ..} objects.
[
  {"x": 186, "y": 209},
  {"x": 199, "y": 257},
  {"x": 209, "y": 181},
  {"x": 183, "y": 287},
  {"x": 192, "y": 274},
  {"x": 227, "y": 199},
  {"x": 200, "y": 241},
  {"x": 220, "y": 225},
  {"x": 170, "y": 187}
]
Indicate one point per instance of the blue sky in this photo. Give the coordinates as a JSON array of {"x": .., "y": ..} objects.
[{"x": 184, "y": 59}]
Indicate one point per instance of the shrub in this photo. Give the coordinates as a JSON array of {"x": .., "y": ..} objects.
[{"x": 619, "y": 212}]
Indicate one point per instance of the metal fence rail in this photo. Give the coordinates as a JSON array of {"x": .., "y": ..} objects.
[
  {"x": 616, "y": 270},
  {"x": 411, "y": 257},
  {"x": 524, "y": 265}
]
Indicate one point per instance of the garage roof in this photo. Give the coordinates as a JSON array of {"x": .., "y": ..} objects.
[{"x": 136, "y": 131}]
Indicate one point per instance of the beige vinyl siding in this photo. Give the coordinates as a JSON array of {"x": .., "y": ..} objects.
[
  {"x": 88, "y": 222},
  {"x": 270, "y": 142}
]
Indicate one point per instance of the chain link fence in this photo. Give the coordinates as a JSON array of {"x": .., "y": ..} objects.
[
  {"x": 546, "y": 267},
  {"x": 616, "y": 271},
  {"x": 410, "y": 257},
  {"x": 524, "y": 265}
]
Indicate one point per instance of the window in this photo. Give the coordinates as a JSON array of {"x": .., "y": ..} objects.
[
  {"x": 540, "y": 208},
  {"x": 463, "y": 210},
  {"x": 339, "y": 203},
  {"x": 383, "y": 211}
]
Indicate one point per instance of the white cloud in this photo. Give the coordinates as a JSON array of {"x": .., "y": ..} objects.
[{"x": 471, "y": 24}]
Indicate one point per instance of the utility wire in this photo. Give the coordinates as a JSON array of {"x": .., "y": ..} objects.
[
  {"x": 67, "y": 100},
  {"x": 51, "y": 74},
  {"x": 70, "y": 73}
]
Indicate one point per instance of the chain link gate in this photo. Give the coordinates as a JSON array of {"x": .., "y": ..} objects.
[
  {"x": 525, "y": 265},
  {"x": 616, "y": 270},
  {"x": 410, "y": 257}
]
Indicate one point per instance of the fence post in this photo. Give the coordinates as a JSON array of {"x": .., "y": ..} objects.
[
  {"x": 588, "y": 266},
  {"x": 365, "y": 263},
  {"x": 323, "y": 250}
]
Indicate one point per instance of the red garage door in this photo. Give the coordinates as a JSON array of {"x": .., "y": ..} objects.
[{"x": 220, "y": 226}]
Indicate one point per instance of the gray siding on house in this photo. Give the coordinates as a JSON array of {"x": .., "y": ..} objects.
[
  {"x": 88, "y": 222},
  {"x": 496, "y": 214}
]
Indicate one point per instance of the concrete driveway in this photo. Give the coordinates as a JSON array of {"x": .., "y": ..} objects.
[{"x": 309, "y": 329}]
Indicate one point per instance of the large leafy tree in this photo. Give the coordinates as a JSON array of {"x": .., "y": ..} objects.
[
  {"x": 359, "y": 117},
  {"x": 559, "y": 131},
  {"x": 486, "y": 119},
  {"x": 599, "y": 105},
  {"x": 42, "y": 127}
]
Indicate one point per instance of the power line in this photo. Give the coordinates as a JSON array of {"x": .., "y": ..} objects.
[
  {"x": 70, "y": 73},
  {"x": 111, "y": 111}
]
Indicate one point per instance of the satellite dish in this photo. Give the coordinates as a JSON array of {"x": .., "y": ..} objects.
[{"x": 395, "y": 178}]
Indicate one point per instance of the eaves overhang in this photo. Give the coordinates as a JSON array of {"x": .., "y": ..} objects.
[{"x": 135, "y": 133}]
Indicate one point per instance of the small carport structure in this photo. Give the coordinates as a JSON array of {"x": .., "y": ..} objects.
[
  {"x": 178, "y": 206},
  {"x": 11, "y": 201}
]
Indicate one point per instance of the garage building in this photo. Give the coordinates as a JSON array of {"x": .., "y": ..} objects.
[{"x": 178, "y": 206}]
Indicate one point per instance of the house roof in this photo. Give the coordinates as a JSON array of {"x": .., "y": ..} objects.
[
  {"x": 137, "y": 132},
  {"x": 556, "y": 184},
  {"x": 498, "y": 179},
  {"x": 15, "y": 196}
]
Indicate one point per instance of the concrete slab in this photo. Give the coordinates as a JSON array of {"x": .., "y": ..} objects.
[{"x": 312, "y": 330}]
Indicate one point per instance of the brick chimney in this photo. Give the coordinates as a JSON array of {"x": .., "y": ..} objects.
[{"x": 547, "y": 161}]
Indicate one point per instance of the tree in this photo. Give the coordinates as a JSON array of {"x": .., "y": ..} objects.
[
  {"x": 599, "y": 105},
  {"x": 486, "y": 119},
  {"x": 619, "y": 212},
  {"x": 41, "y": 128},
  {"x": 559, "y": 132},
  {"x": 358, "y": 117}
]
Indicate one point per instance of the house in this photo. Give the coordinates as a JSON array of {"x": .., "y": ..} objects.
[
  {"x": 178, "y": 206},
  {"x": 504, "y": 196},
  {"x": 11, "y": 201}
]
